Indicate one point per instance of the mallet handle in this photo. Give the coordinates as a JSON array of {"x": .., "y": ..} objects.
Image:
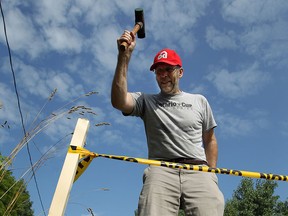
[{"x": 136, "y": 28}]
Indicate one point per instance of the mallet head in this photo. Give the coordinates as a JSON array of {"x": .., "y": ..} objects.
[
  {"x": 139, "y": 19},
  {"x": 138, "y": 29}
]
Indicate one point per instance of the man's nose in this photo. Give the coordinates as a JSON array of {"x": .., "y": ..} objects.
[{"x": 164, "y": 74}]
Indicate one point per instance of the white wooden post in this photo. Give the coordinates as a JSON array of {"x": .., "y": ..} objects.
[{"x": 65, "y": 182}]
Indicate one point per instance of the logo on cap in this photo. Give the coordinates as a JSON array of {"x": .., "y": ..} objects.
[
  {"x": 162, "y": 55},
  {"x": 167, "y": 56}
]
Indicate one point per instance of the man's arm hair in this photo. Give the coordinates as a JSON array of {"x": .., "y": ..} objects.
[
  {"x": 211, "y": 147},
  {"x": 120, "y": 97}
]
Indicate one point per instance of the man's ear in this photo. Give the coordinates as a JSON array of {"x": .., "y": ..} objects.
[{"x": 181, "y": 72}]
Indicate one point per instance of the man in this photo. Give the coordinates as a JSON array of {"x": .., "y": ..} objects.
[{"x": 179, "y": 128}]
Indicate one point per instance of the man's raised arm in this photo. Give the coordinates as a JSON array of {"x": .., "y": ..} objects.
[{"x": 120, "y": 97}]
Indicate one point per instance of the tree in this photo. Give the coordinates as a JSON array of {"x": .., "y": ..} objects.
[
  {"x": 14, "y": 198},
  {"x": 253, "y": 200},
  {"x": 181, "y": 212},
  {"x": 282, "y": 208}
]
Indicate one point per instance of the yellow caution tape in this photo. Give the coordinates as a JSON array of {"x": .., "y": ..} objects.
[
  {"x": 88, "y": 156},
  {"x": 82, "y": 166}
]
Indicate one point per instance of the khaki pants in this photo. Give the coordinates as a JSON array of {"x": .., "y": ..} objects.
[{"x": 166, "y": 189}]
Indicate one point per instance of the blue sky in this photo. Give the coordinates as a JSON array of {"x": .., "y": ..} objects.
[{"x": 234, "y": 52}]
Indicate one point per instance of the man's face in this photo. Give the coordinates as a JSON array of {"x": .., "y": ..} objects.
[{"x": 167, "y": 77}]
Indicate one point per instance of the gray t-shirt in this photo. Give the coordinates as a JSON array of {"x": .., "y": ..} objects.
[{"x": 174, "y": 124}]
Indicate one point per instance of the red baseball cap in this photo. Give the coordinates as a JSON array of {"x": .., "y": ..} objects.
[{"x": 167, "y": 56}]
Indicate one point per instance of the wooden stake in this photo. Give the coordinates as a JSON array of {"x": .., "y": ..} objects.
[{"x": 65, "y": 182}]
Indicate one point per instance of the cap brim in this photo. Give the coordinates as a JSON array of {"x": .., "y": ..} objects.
[{"x": 153, "y": 66}]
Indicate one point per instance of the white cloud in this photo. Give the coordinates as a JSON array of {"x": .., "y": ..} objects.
[
  {"x": 220, "y": 40},
  {"x": 58, "y": 25},
  {"x": 9, "y": 109},
  {"x": 197, "y": 89},
  {"x": 10, "y": 113},
  {"x": 100, "y": 13},
  {"x": 53, "y": 12},
  {"x": 22, "y": 35},
  {"x": 67, "y": 86},
  {"x": 284, "y": 128},
  {"x": 47, "y": 27},
  {"x": 262, "y": 30},
  {"x": 32, "y": 81},
  {"x": 64, "y": 39},
  {"x": 182, "y": 15},
  {"x": 247, "y": 81},
  {"x": 232, "y": 125},
  {"x": 268, "y": 42},
  {"x": 249, "y": 12},
  {"x": 41, "y": 82},
  {"x": 104, "y": 48},
  {"x": 60, "y": 128}
]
